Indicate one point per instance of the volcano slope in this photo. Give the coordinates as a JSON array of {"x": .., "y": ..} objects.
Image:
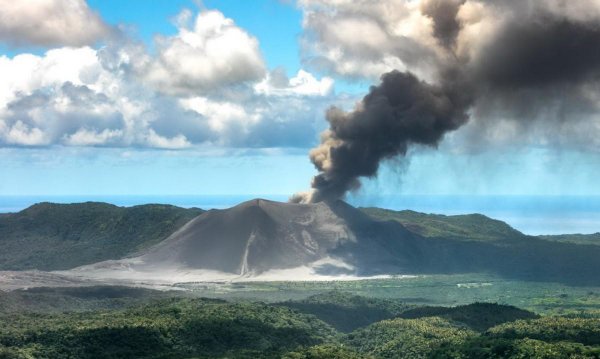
[
  {"x": 259, "y": 235},
  {"x": 334, "y": 238}
]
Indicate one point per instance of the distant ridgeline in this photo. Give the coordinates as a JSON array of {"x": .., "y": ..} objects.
[
  {"x": 62, "y": 236},
  {"x": 49, "y": 236}
]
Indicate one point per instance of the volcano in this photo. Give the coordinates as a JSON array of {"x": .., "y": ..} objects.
[
  {"x": 258, "y": 236},
  {"x": 261, "y": 235},
  {"x": 266, "y": 240}
]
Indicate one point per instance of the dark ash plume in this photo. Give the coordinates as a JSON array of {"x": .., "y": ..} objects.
[
  {"x": 537, "y": 66},
  {"x": 542, "y": 52},
  {"x": 401, "y": 111},
  {"x": 445, "y": 24}
]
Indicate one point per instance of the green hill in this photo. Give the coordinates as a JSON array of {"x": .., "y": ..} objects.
[
  {"x": 170, "y": 328},
  {"x": 79, "y": 299},
  {"x": 548, "y": 337},
  {"x": 326, "y": 351},
  {"x": 470, "y": 227},
  {"x": 551, "y": 329},
  {"x": 444, "y": 337},
  {"x": 476, "y": 243},
  {"x": 477, "y": 316},
  {"x": 592, "y": 239},
  {"x": 347, "y": 312},
  {"x": 50, "y": 236},
  {"x": 407, "y": 338}
]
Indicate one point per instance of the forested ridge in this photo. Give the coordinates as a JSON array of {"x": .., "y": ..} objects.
[{"x": 212, "y": 328}]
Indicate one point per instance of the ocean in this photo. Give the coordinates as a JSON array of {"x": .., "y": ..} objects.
[{"x": 530, "y": 214}]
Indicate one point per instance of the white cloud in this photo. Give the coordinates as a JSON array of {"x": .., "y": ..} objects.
[
  {"x": 70, "y": 96},
  {"x": 304, "y": 84},
  {"x": 220, "y": 114},
  {"x": 87, "y": 97},
  {"x": 21, "y": 134},
  {"x": 205, "y": 87},
  {"x": 50, "y": 23},
  {"x": 26, "y": 72},
  {"x": 158, "y": 141},
  {"x": 85, "y": 137},
  {"x": 364, "y": 39},
  {"x": 213, "y": 53},
  {"x": 259, "y": 120}
]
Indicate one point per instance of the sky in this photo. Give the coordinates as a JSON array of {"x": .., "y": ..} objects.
[{"x": 106, "y": 97}]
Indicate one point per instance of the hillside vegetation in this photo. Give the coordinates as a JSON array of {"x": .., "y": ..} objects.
[
  {"x": 476, "y": 243},
  {"x": 346, "y": 312},
  {"x": 477, "y": 316},
  {"x": 548, "y": 337},
  {"x": 593, "y": 239},
  {"x": 407, "y": 338},
  {"x": 173, "y": 328},
  {"x": 50, "y": 236},
  {"x": 214, "y": 328},
  {"x": 79, "y": 299},
  {"x": 469, "y": 227}
]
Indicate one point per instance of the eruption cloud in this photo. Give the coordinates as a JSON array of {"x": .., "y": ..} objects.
[
  {"x": 538, "y": 61},
  {"x": 400, "y": 111}
]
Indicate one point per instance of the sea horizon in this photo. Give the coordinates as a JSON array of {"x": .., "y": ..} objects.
[{"x": 533, "y": 215}]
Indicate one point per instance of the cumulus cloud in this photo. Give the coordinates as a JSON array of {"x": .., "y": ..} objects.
[
  {"x": 304, "y": 84},
  {"x": 101, "y": 97},
  {"x": 86, "y": 137},
  {"x": 21, "y": 134},
  {"x": 260, "y": 120},
  {"x": 210, "y": 54},
  {"x": 50, "y": 23}
]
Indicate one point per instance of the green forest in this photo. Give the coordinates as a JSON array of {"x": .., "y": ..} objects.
[{"x": 139, "y": 323}]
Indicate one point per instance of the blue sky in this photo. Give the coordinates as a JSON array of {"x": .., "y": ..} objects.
[
  {"x": 99, "y": 171},
  {"x": 91, "y": 113},
  {"x": 275, "y": 24}
]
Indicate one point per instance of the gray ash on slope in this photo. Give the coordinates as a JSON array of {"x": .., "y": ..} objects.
[{"x": 260, "y": 235}]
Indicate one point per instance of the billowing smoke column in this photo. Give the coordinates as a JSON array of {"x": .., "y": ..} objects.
[
  {"x": 533, "y": 64},
  {"x": 400, "y": 111}
]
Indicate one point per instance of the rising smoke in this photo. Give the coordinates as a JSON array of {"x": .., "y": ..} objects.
[{"x": 538, "y": 61}]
